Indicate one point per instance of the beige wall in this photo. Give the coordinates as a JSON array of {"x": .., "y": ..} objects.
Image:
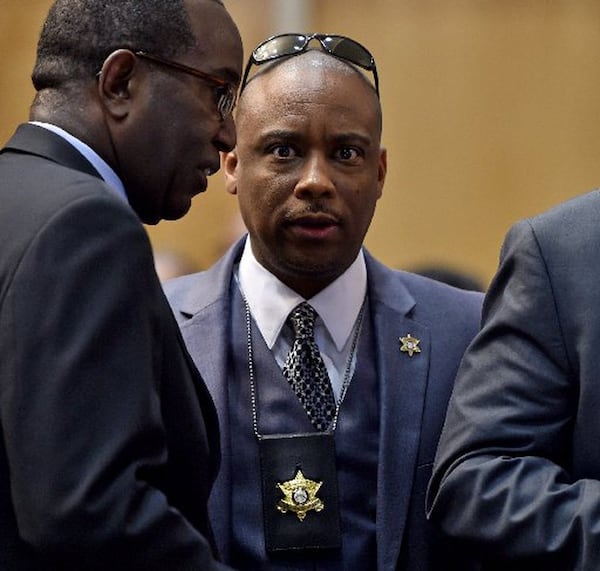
[{"x": 490, "y": 113}]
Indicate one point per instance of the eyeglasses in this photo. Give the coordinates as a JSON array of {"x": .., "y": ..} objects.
[
  {"x": 285, "y": 45},
  {"x": 225, "y": 92}
]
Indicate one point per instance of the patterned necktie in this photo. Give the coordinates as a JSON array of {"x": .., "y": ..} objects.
[{"x": 305, "y": 371}]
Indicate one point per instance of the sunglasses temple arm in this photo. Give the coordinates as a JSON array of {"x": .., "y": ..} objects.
[
  {"x": 251, "y": 61},
  {"x": 376, "y": 78}
]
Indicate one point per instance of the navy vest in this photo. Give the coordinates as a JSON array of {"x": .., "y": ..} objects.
[{"x": 280, "y": 412}]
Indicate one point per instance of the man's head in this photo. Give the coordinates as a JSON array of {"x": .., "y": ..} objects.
[
  {"x": 156, "y": 123},
  {"x": 308, "y": 168}
]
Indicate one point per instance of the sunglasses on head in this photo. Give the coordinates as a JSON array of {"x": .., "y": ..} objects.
[{"x": 286, "y": 45}]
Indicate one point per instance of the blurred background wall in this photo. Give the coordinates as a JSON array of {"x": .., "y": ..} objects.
[{"x": 490, "y": 114}]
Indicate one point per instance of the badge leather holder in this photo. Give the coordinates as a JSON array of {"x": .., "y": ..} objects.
[{"x": 299, "y": 487}]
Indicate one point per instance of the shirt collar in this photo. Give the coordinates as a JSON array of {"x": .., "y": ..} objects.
[
  {"x": 271, "y": 301},
  {"x": 106, "y": 172}
]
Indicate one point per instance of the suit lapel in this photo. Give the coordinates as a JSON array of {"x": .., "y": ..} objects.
[
  {"x": 209, "y": 352},
  {"x": 403, "y": 383}
]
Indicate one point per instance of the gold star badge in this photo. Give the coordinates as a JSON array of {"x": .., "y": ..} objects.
[
  {"x": 300, "y": 496},
  {"x": 410, "y": 345}
]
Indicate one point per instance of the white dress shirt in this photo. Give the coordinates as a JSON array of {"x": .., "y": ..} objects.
[{"x": 338, "y": 305}]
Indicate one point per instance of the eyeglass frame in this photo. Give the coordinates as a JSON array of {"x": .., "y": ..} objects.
[
  {"x": 226, "y": 101},
  {"x": 307, "y": 39}
]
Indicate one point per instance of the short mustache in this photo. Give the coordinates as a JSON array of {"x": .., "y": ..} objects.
[{"x": 310, "y": 210}]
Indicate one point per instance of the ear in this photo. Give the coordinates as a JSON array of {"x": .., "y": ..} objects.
[
  {"x": 381, "y": 170},
  {"x": 115, "y": 82},
  {"x": 230, "y": 165}
]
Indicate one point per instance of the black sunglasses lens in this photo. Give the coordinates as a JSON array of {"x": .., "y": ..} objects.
[
  {"x": 348, "y": 49},
  {"x": 279, "y": 46},
  {"x": 291, "y": 44}
]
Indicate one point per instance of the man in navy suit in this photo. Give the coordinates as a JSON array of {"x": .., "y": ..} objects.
[
  {"x": 108, "y": 437},
  {"x": 294, "y": 492}
]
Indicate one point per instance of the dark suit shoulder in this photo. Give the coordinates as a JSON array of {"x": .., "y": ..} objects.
[
  {"x": 438, "y": 292},
  {"x": 182, "y": 292},
  {"x": 436, "y": 301},
  {"x": 583, "y": 206},
  {"x": 567, "y": 226},
  {"x": 36, "y": 186},
  {"x": 46, "y": 205},
  {"x": 189, "y": 294}
]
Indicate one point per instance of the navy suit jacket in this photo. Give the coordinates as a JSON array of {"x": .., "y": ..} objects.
[
  {"x": 108, "y": 436},
  {"x": 414, "y": 392},
  {"x": 518, "y": 470}
]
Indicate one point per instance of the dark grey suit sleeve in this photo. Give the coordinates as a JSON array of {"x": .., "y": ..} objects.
[
  {"x": 502, "y": 478},
  {"x": 82, "y": 423}
]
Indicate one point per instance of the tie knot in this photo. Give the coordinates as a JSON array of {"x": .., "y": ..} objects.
[{"x": 302, "y": 319}]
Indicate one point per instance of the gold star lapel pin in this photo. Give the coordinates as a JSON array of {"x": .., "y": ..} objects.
[
  {"x": 410, "y": 345},
  {"x": 300, "y": 496}
]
